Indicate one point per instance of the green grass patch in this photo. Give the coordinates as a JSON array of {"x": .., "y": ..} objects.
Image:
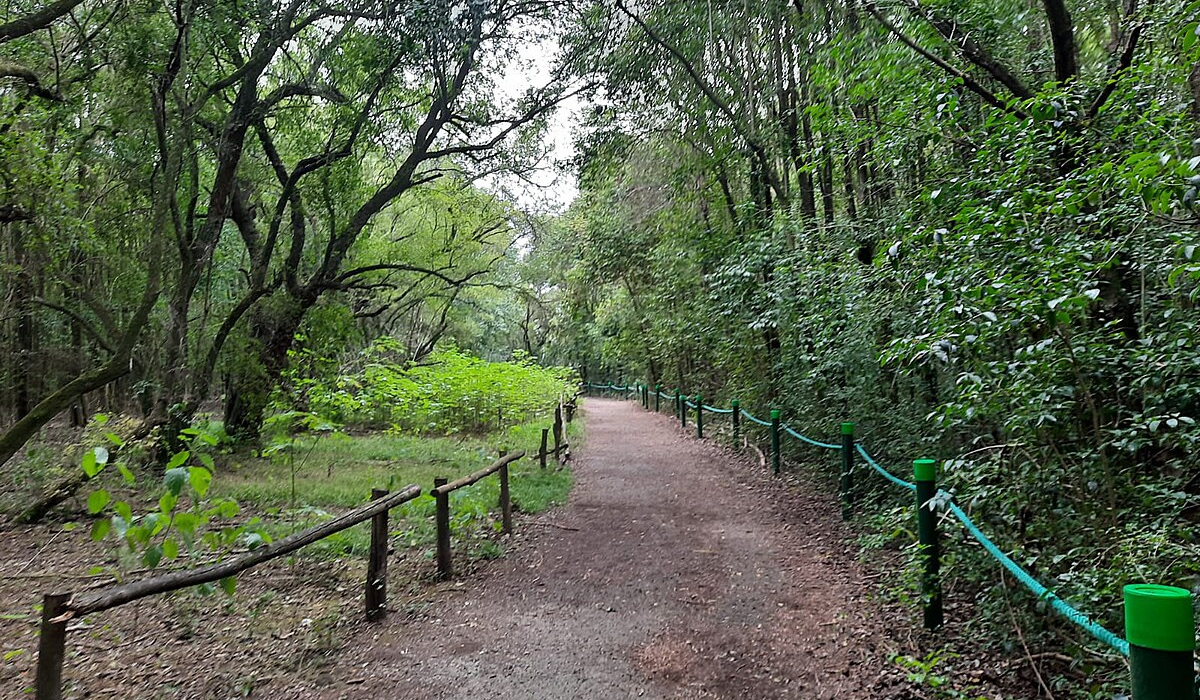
[{"x": 317, "y": 477}]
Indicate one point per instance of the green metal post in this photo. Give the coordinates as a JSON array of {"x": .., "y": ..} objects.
[
  {"x": 925, "y": 471},
  {"x": 683, "y": 411},
  {"x": 657, "y": 396},
  {"x": 699, "y": 416},
  {"x": 775, "y": 440},
  {"x": 1161, "y": 628},
  {"x": 737, "y": 421},
  {"x": 678, "y": 402},
  {"x": 847, "y": 481}
]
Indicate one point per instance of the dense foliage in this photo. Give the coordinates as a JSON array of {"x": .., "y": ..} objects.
[
  {"x": 187, "y": 188},
  {"x": 969, "y": 227},
  {"x": 450, "y": 391}
]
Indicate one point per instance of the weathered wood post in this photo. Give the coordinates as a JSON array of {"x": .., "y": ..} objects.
[
  {"x": 377, "y": 563},
  {"x": 699, "y": 417},
  {"x": 444, "y": 564},
  {"x": 775, "y": 459},
  {"x": 542, "y": 452},
  {"x": 925, "y": 471},
  {"x": 52, "y": 648},
  {"x": 737, "y": 421},
  {"x": 505, "y": 499},
  {"x": 846, "y": 483},
  {"x": 657, "y": 396},
  {"x": 1161, "y": 627},
  {"x": 558, "y": 433}
]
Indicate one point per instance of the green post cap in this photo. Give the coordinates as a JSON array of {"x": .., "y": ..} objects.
[
  {"x": 925, "y": 469},
  {"x": 1159, "y": 617},
  {"x": 658, "y": 386},
  {"x": 734, "y": 403},
  {"x": 847, "y": 428},
  {"x": 775, "y": 413}
]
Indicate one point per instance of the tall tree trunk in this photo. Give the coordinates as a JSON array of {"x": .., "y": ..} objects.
[
  {"x": 248, "y": 386},
  {"x": 23, "y": 301}
]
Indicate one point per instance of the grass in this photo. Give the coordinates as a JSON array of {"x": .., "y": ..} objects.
[{"x": 316, "y": 476}]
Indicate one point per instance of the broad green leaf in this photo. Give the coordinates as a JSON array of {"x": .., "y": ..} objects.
[
  {"x": 127, "y": 475},
  {"x": 100, "y": 529},
  {"x": 229, "y": 585},
  {"x": 175, "y": 478},
  {"x": 170, "y": 548},
  {"x": 178, "y": 459},
  {"x": 200, "y": 479},
  {"x": 152, "y": 556},
  {"x": 98, "y": 500}
]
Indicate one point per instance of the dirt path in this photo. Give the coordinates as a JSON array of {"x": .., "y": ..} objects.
[{"x": 689, "y": 575}]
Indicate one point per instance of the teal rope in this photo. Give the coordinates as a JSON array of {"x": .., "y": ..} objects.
[
  {"x": 885, "y": 473},
  {"x": 752, "y": 419},
  {"x": 689, "y": 403},
  {"x": 712, "y": 409},
  {"x": 810, "y": 441},
  {"x": 1097, "y": 631}
]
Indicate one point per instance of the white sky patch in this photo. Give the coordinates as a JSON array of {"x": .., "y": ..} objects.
[{"x": 552, "y": 186}]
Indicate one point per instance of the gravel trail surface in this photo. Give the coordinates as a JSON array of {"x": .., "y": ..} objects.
[{"x": 677, "y": 570}]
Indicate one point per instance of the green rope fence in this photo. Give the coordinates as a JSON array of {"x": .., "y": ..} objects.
[{"x": 1161, "y": 662}]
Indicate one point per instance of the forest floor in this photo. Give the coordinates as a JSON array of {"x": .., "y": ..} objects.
[{"x": 677, "y": 570}]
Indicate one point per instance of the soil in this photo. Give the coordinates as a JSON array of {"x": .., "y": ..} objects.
[{"x": 677, "y": 570}]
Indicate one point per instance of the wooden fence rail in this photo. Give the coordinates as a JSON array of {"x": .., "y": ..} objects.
[
  {"x": 58, "y": 608},
  {"x": 441, "y": 493}
]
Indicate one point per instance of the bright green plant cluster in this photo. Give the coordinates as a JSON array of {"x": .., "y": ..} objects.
[
  {"x": 448, "y": 392},
  {"x": 183, "y": 520}
]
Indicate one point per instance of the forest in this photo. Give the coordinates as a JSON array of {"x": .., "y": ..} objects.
[{"x": 235, "y": 234}]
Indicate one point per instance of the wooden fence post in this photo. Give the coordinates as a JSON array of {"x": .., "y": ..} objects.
[
  {"x": 444, "y": 564},
  {"x": 558, "y": 434},
  {"x": 542, "y": 452},
  {"x": 377, "y": 563},
  {"x": 52, "y": 648},
  {"x": 505, "y": 499}
]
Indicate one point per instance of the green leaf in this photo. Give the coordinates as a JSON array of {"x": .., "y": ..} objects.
[
  {"x": 170, "y": 548},
  {"x": 100, "y": 529},
  {"x": 229, "y": 585},
  {"x": 90, "y": 467},
  {"x": 254, "y": 540},
  {"x": 70, "y": 527},
  {"x": 175, "y": 478},
  {"x": 122, "y": 509},
  {"x": 130, "y": 479},
  {"x": 200, "y": 479},
  {"x": 120, "y": 526},
  {"x": 178, "y": 459},
  {"x": 187, "y": 523},
  {"x": 98, "y": 500},
  {"x": 114, "y": 439},
  {"x": 167, "y": 503},
  {"x": 207, "y": 461},
  {"x": 152, "y": 556},
  {"x": 101, "y": 455}
]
